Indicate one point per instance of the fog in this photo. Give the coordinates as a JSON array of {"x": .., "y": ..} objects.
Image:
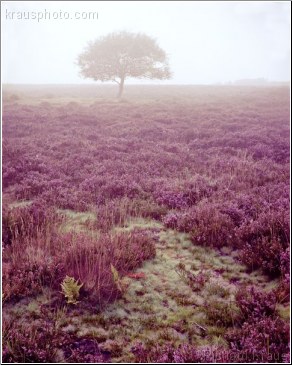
[{"x": 207, "y": 42}]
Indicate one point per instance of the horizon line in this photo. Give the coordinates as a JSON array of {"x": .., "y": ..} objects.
[{"x": 227, "y": 83}]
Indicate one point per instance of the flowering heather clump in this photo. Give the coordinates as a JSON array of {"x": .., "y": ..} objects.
[
  {"x": 265, "y": 340},
  {"x": 170, "y": 220},
  {"x": 212, "y": 227},
  {"x": 221, "y": 314},
  {"x": 188, "y": 193},
  {"x": 84, "y": 350},
  {"x": 263, "y": 240},
  {"x": 255, "y": 304},
  {"x": 43, "y": 342},
  {"x": 283, "y": 290},
  {"x": 173, "y": 200},
  {"x": 184, "y": 353},
  {"x": 110, "y": 214},
  {"x": 33, "y": 344},
  {"x": 285, "y": 262},
  {"x": 262, "y": 336},
  {"x": 28, "y": 279}
]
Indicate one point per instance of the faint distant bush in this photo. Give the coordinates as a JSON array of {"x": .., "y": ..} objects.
[{"x": 14, "y": 97}]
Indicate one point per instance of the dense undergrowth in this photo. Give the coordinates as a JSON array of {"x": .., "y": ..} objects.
[{"x": 213, "y": 167}]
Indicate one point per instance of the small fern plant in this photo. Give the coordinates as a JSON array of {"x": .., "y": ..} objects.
[{"x": 70, "y": 289}]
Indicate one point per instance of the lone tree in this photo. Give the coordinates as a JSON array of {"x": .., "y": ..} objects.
[{"x": 120, "y": 55}]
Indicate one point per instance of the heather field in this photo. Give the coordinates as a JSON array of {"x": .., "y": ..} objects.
[{"x": 150, "y": 229}]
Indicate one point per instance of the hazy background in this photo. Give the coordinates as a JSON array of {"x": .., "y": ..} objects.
[{"x": 207, "y": 42}]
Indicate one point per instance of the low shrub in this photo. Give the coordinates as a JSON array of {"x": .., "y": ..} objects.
[
  {"x": 29, "y": 221},
  {"x": 220, "y": 313},
  {"x": 195, "y": 281},
  {"x": 89, "y": 260},
  {"x": 264, "y": 240},
  {"x": 265, "y": 340},
  {"x": 184, "y": 353},
  {"x": 255, "y": 304},
  {"x": 213, "y": 228}
]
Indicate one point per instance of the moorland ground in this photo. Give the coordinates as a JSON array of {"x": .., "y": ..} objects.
[{"x": 169, "y": 211}]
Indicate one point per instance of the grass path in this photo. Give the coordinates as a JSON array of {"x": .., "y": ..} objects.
[{"x": 161, "y": 306}]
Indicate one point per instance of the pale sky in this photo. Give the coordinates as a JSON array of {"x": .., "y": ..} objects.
[{"x": 207, "y": 42}]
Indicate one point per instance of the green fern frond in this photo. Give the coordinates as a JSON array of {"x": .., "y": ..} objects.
[
  {"x": 117, "y": 279},
  {"x": 70, "y": 289}
]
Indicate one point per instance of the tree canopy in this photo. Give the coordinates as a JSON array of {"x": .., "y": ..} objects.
[{"x": 121, "y": 55}]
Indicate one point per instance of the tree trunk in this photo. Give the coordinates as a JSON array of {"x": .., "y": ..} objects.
[{"x": 121, "y": 87}]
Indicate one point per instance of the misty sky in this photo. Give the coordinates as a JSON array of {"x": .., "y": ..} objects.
[{"x": 207, "y": 42}]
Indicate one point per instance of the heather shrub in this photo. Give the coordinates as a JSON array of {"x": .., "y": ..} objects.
[
  {"x": 283, "y": 290},
  {"x": 112, "y": 213},
  {"x": 30, "y": 221},
  {"x": 220, "y": 313},
  {"x": 7, "y": 225},
  {"x": 29, "y": 344},
  {"x": 186, "y": 193},
  {"x": 83, "y": 350},
  {"x": 146, "y": 208},
  {"x": 232, "y": 210},
  {"x": 184, "y": 353},
  {"x": 28, "y": 278},
  {"x": 171, "y": 220},
  {"x": 89, "y": 261},
  {"x": 117, "y": 211},
  {"x": 173, "y": 199},
  {"x": 218, "y": 170},
  {"x": 263, "y": 240},
  {"x": 285, "y": 262},
  {"x": 120, "y": 188},
  {"x": 264, "y": 340},
  {"x": 44, "y": 342},
  {"x": 255, "y": 304},
  {"x": 212, "y": 227},
  {"x": 262, "y": 336}
]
